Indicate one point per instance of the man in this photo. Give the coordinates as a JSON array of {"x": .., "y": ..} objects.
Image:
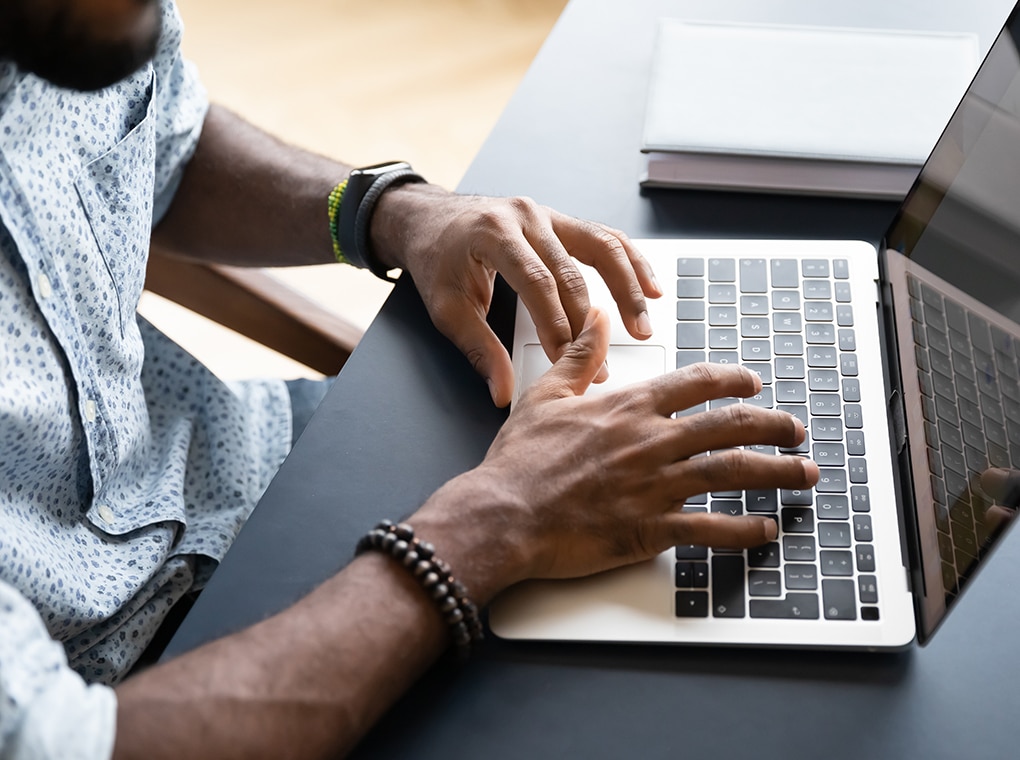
[{"x": 126, "y": 469}]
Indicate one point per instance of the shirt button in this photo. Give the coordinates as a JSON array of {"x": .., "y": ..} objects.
[
  {"x": 45, "y": 289},
  {"x": 106, "y": 514},
  {"x": 90, "y": 410}
]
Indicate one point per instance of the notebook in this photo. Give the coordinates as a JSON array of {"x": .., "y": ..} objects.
[{"x": 903, "y": 362}]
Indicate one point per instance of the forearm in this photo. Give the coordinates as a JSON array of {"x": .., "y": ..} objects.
[
  {"x": 249, "y": 199},
  {"x": 306, "y": 683}
]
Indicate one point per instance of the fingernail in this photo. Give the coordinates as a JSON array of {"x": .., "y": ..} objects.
[
  {"x": 603, "y": 373},
  {"x": 771, "y": 530},
  {"x": 492, "y": 388},
  {"x": 644, "y": 324},
  {"x": 655, "y": 281}
]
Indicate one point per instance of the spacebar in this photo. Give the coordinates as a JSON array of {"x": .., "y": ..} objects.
[{"x": 796, "y": 606}]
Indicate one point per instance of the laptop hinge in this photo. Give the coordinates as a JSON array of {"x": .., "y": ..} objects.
[{"x": 897, "y": 419}]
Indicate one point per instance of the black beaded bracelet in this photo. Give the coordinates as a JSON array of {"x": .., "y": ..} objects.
[{"x": 434, "y": 575}]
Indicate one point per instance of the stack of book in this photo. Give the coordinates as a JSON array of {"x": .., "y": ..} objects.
[{"x": 808, "y": 110}]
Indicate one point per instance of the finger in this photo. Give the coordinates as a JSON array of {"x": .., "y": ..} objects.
[
  {"x": 718, "y": 530},
  {"x": 739, "y": 470},
  {"x": 1002, "y": 485},
  {"x": 476, "y": 340},
  {"x": 698, "y": 383},
  {"x": 627, "y": 279},
  {"x": 573, "y": 292},
  {"x": 526, "y": 272},
  {"x": 736, "y": 425},
  {"x": 580, "y": 363}
]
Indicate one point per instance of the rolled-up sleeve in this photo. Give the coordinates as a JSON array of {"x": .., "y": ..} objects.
[{"x": 46, "y": 709}]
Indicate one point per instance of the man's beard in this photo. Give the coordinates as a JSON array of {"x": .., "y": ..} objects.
[{"x": 59, "y": 52}]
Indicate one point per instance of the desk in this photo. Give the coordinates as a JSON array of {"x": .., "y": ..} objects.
[{"x": 408, "y": 413}]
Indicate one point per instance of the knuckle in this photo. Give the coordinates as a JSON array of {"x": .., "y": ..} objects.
[{"x": 523, "y": 205}]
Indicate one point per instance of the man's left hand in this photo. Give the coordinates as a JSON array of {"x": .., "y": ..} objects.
[{"x": 453, "y": 246}]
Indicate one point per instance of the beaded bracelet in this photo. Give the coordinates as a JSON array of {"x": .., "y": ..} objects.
[
  {"x": 450, "y": 596},
  {"x": 336, "y": 195}
]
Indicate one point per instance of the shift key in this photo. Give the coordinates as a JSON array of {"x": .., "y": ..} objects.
[{"x": 728, "y": 586}]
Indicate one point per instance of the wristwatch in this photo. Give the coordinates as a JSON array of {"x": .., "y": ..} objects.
[{"x": 364, "y": 188}]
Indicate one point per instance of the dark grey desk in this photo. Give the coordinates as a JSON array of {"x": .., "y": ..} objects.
[{"x": 407, "y": 413}]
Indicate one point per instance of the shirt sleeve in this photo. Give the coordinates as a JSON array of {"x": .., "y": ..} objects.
[
  {"x": 46, "y": 709},
  {"x": 180, "y": 109}
]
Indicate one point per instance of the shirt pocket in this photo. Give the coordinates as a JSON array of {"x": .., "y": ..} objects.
[{"x": 116, "y": 192}]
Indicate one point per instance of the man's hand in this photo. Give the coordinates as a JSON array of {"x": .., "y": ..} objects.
[
  {"x": 577, "y": 484},
  {"x": 453, "y": 246}
]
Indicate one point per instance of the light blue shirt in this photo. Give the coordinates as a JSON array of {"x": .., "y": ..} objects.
[{"x": 126, "y": 468}]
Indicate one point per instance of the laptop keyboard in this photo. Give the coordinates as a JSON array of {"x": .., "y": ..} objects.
[
  {"x": 970, "y": 398},
  {"x": 792, "y": 322}
]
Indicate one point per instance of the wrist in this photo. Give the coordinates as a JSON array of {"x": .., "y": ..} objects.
[
  {"x": 474, "y": 526},
  {"x": 403, "y": 214}
]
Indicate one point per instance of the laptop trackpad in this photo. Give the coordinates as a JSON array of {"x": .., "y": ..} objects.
[{"x": 628, "y": 363}]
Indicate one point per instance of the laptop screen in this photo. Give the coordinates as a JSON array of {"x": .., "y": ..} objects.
[{"x": 961, "y": 223}]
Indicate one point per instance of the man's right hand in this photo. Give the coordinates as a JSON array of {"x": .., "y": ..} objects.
[{"x": 578, "y": 484}]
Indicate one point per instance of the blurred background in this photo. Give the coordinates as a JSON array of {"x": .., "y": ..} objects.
[{"x": 363, "y": 82}]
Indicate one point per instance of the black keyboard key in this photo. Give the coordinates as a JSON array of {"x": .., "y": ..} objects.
[
  {"x": 798, "y": 519},
  {"x": 693, "y": 604},
  {"x": 800, "y": 577},
  {"x": 793, "y": 607},
  {"x": 855, "y": 443},
  {"x": 691, "y": 551},
  {"x": 764, "y": 583},
  {"x": 836, "y": 563},
  {"x": 857, "y": 469},
  {"x": 799, "y": 548},
  {"x": 867, "y": 587},
  {"x": 728, "y": 591},
  {"x": 826, "y": 429},
  {"x": 766, "y": 555},
  {"x": 862, "y": 529},
  {"x": 684, "y": 574},
  {"x": 832, "y": 507},
  {"x": 762, "y": 500},
  {"x": 828, "y": 454},
  {"x": 834, "y": 535},
  {"x": 865, "y": 558},
  {"x": 839, "y": 600},
  {"x": 831, "y": 480},
  {"x": 733, "y": 507}
]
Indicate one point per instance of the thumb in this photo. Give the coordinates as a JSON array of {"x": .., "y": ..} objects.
[
  {"x": 483, "y": 349},
  {"x": 581, "y": 361}
]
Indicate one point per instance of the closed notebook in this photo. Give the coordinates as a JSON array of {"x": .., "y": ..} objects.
[{"x": 799, "y": 109}]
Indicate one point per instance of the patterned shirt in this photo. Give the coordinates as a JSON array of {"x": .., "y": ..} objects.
[{"x": 126, "y": 468}]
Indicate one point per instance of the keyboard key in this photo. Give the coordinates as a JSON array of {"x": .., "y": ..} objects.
[
  {"x": 836, "y": 563},
  {"x": 762, "y": 398},
  {"x": 687, "y": 358},
  {"x": 764, "y": 583},
  {"x": 753, "y": 276},
  {"x": 821, "y": 356},
  {"x": 843, "y": 294},
  {"x": 692, "y": 604},
  {"x": 728, "y": 507},
  {"x": 862, "y": 528},
  {"x": 834, "y": 535},
  {"x": 832, "y": 507},
  {"x": 762, "y": 369},
  {"x": 722, "y": 270},
  {"x": 865, "y": 558},
  {"x": 848, "y": 365},
  {"x": 728, "y": 593},
  {"x": 839, "y": 600},
  {"x": 724, "y": 357},
  {"x": 793, "y": 607},
  {"x": 754, "y": 305},
  {"x": 840, "y": 269},
  {"x": 824, "y": 404},
  {"x": 690, "y": 267},
  {"x": 766, "y": 555},
  {"x": 820, "y": 311},
  {"x": 798, "y": 519},
  {"x": 788, "y": 345},
  {"x": 762, "y": 500},
  {"x": 814, "y": 267},
  {"x": 690, "y": 287},
  {"x": 815, "y": 290},
  {"x": 845, "y": 315},
  {"x": 690, "y": 335},
  {"x": 855, "y": 443},
  {"x": 826, "y": 429},
  {"x": 754, "y": 327},
  {"x": 787, "y": 322},
  {"x": 690, "y": 310},
  {"x": 785, "y": 299},
  {"x": 851, "y": 389},
  {"x": 784, "y": 273},
  {"x": 867, "y": 586},
  {"x": 791, "y": 391},
  {"x": 800, "y": 577},
  {"x": 828, "y": 454},
  {"x": 720, "y": 338},
  {"x": 820, "y": 334},
  {"x": 847, "y": 339},
  {"x": 691, "y": 551},
  {"x": 722, "y": 316},
  {"x": 790, "y": 368},
  {"x": 853, "y": 416},
  {"x": 722, "y": 293},
  {"x": 831, "y": 480},
  {"x": 857, "y": 469},
  {"x": 799, "y": 548}
]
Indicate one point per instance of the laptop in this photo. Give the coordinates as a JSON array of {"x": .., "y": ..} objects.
[{"x": 903, "y": 363}]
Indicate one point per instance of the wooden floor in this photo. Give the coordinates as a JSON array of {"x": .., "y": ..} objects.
[{"x": 365, "y": 82}]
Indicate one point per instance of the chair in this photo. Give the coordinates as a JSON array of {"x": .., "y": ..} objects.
[{"x": 256, "y": 305}]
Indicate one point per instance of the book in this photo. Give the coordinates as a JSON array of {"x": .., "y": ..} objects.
[{"x": 799, "y": 109}]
